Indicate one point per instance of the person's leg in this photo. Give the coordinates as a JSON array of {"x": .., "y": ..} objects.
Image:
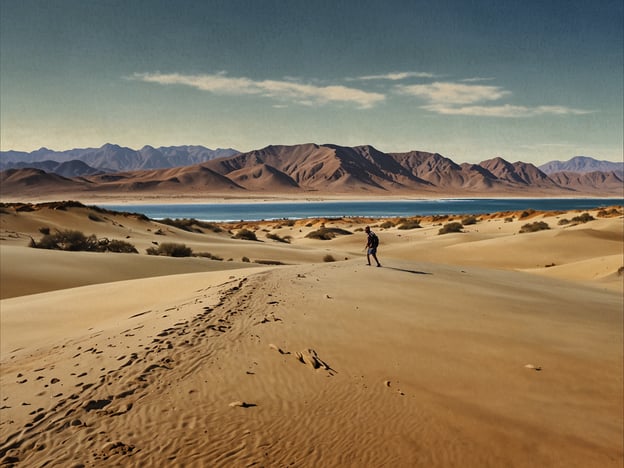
[
  {"x": 368, "y": 256},
  {"x": 374, "y": 253}
]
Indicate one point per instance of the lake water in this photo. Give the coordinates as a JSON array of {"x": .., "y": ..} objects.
[{"x": 333, "y": 209}]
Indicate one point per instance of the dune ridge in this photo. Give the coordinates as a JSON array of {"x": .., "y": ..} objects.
[{"x": 463, "y": 349}]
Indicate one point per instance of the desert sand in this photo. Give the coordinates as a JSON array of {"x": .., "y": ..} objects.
[{"x": 481, "y": 348}]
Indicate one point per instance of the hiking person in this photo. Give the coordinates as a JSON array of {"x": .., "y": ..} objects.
[{"x": 371, "y": 245}]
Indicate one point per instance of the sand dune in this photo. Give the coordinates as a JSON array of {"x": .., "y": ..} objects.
[{"x": 446, "y": 356}]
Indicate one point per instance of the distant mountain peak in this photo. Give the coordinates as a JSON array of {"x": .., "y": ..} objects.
[{"x": 582, "y": 164}]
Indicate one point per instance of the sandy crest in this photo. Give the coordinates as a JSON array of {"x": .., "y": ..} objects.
[{"x": 463, "y": 350}]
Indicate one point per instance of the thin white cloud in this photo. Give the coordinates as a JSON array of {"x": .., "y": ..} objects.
[
  {"x": 449, "y": 98},
  {"x": 453, "y": 93},
  {"x": 506, "y": 110},
  {"x": 477, "y": 79},
  {"x": 301, "y": 93},
  {"x": 396, "y": 76}
]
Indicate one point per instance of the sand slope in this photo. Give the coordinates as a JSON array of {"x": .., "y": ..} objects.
[
  {"x": 426, "y": 366},
  {"x": 466, "y": 349}
]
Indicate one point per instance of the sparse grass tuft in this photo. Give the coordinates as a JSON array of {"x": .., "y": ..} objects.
[{"x": 329, "y": 258}]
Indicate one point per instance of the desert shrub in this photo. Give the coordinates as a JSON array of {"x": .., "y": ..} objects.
[
  {"x": 275, "y": 237},
  {"x": 170, "y": 249},
  {"x": 96, "y": 218},
  {"x": 450, "y": 227},
  {"x": 584, "y": 218},
  {"x": 246, "y": 234},
  {"x": 620, "y": 271},
  {"x": 606, "y": 213},
  {"x": 68, "y": 240},
  {"x": 526, "y": 213},
  {"x": 329, "y": 258},
  {"x": 534, "y": 227},
  {"x": 245, "y": 259},
  {"x": 469, "y": 220},
  {"x": 190, "y": 224},
  {"x": 435, "y": 218},
  {"x": 44, "y": 230},
  {"x": 77, "y": 241},
  {"x": 208, "y": 255},
  {"x": 288, "y": 223},
  {"x": 410, "y": 224},
  {"x": 509, "y": 220},
  {"x": 563, "y": 222},
  {"x": 386, "y": 225},
  {"x": 268, "y": 262},
  {"x": 117, "y": 246},
  {"x": 325, "y": 233}
]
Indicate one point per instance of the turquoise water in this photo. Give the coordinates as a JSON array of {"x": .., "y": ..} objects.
[{"x": 405, "y": 208}]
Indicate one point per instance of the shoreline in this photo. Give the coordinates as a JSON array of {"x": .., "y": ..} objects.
[{"x": 282, "y": 198}]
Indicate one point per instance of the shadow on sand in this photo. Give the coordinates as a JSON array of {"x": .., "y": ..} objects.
[{"x": 414, "y": 272}]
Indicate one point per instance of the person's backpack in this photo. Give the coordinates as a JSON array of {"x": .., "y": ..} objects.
[{"x": 374, "y": 240}]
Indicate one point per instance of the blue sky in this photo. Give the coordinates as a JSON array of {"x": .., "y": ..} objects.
[{"x": 526, "y": 80}]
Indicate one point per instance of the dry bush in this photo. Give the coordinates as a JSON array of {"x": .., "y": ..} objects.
[
  {"x": 584, "y": 218},
  {"x": 450, "y": 227},
  {"x": 410, "y": 224},
  {"x": 325, "y": 233},
  {"x": 190, "y": 224},
  {"x": 469, "y": 220},
  {"x": 75, "y": 241},
  {"x": 170, "y": 249},
  {"x": 246, "y": 234},
  {"x": 208, "y": 255},
  {"x": 534, "y": 227},
  {"x": 608, "y": 213},
  {"x": 386, "y": 225},
  {"x": 329, "y": 258},
  {"x": 275, "y": 237},
  {"x": 268, "y": 262},
  {"x": 526, "y": 213}
]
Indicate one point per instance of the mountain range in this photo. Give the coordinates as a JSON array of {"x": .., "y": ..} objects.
[
  {"x": 114, "y": 158},
  {"x": 306, "y": 168}
]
